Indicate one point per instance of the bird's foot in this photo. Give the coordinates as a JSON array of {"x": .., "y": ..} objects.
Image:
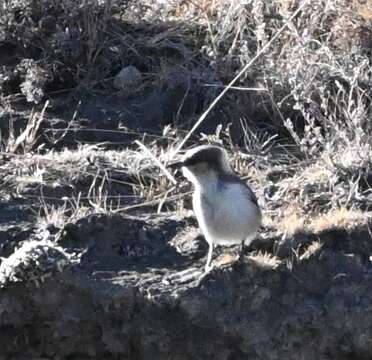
[
  {"x": 240, "y": 257},
  {"x": 208, "y": 268}
]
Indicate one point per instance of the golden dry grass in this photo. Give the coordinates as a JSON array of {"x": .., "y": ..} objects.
[
  {"x": 294, "y": 220},
  {"x": 291, "y": 222},
  {"x": 363, "y": 8},
  {"x": 338, "y": 218},
  {"x": 311, "y": 250},
  {"x": 265, "y": 260}
]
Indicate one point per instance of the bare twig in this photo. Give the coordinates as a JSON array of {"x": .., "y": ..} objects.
[
  {"x": 152, "y": 202},
  {"x": 27, "y": 139},
  {"x": 233, "y": 81},
  {"x": 161, "y": 166},
  {"x": 240, "y": 88}
]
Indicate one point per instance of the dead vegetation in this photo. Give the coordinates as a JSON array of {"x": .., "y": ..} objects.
[{"x": 296, "y": 123}]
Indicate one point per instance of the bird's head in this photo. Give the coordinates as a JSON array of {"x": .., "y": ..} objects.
[{"x": 203, "y": 163}]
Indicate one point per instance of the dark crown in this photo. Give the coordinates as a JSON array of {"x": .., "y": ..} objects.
[{"x": 209, "y": 154}]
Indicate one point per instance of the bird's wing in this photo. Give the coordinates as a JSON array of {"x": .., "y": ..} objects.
[
  {"x": 251, "y": 194},
  {"x": 232, "y": 178}
]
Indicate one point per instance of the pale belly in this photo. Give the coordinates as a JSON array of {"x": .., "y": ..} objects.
[{"x": 227, "y": 218}]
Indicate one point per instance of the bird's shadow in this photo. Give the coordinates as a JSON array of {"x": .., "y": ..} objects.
[{"x": 116, "y": 243}]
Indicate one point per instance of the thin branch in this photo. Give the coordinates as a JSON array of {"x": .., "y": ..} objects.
[
  {"x": 233, "y": 81},
  {"x": 161, "y": 166},
  {"x": 152, "y": 202}
]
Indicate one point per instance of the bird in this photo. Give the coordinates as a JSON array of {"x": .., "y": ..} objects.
[{"x": 226, "y": 208}]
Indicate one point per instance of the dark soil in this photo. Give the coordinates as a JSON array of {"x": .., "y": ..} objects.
[{"x": 139, "y": 293}]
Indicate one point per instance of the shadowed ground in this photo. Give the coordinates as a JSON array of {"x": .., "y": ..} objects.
[{"x": 138, "y": 293}]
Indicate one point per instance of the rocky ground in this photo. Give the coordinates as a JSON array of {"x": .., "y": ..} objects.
[
  {"x": 100, "y": 255},
  {"x": 134, "y": 288}
]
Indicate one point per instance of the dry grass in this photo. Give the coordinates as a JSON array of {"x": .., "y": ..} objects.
[
  {"x": 303, "y": 143},
  {"x": 59, "y": 216},
  {"x": 363, "y": 8},
  {"x": 27, "y": 139},
  {"x": 291, "y": 222},
  {"x": 339, "y": 218},
  {"x": 311, "y": 250},
  {"x": 265, "y": 260}
]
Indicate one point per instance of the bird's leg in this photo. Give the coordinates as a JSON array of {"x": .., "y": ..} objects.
[
  {"x": 208, "y": 266},
  {"x": 242, "y": 250}
]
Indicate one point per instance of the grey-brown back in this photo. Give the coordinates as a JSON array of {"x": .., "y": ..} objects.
[{"x": 235, "y": 179}]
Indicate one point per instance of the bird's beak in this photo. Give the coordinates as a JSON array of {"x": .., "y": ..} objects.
[{"x": 175, "y": 165}]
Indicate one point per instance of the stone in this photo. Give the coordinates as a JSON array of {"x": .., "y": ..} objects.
[{"x": 128, "y": 80}]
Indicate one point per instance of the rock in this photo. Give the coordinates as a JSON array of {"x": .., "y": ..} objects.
[
  {"x": 32, "y": 262},
  {"x": 128, "y": 80},
  {"x": 156, "y": 303}
]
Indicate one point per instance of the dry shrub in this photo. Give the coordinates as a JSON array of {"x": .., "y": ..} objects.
[{"x": 63, "y": 42}]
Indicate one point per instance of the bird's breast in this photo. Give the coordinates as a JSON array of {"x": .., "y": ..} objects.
[{"x": 226, "y": 215}]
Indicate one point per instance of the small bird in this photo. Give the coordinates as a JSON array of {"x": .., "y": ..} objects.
[{"x": 225, "y": 206}]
